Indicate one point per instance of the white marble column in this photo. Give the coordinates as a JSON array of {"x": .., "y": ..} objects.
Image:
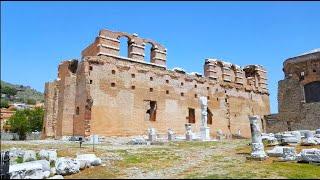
[
  {"x": 204, "y": 129},
  {"x": 256, "y": 144}
]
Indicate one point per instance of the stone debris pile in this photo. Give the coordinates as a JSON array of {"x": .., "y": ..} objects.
[
  {"x": 284, "y": 153},
  {"x": 302, "y": 137},
  {"x": 49, "y": 166}
]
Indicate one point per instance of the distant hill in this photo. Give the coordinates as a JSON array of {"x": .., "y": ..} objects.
[{"x": 20, "y": 93}]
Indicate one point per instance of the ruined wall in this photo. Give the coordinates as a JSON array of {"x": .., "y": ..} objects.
[
  {"x": 294, "y": 111},
  {"x": 66, "y": 99},
  {"x": 108, "y": 43},
  {"x": 51, "y": 109},
  {"x": 83, "y": 103},
  {"x": 119, "y": 90},
  {"x": 110, "y": 95}
]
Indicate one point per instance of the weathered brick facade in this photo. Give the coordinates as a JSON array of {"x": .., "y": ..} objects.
[
  {"x": 110, "y": 95},
  {"x": 298, "y": 95}
]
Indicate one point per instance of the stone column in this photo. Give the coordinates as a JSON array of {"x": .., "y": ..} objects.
[
  {"x": 152, "y": 135},
  {"x": 204, "y": 129},
  {"x": 256, "y": 144},
  {"x": 171, "y": 136},
  {"x": 219, "y": 134},
  {"x": 188, "y": 132}
]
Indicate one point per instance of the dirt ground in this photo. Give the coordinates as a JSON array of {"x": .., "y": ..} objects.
[{"x": 222, "y": 159}]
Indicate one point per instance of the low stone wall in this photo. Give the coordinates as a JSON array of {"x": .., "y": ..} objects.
[
  {"x": 9, "y": 136},
  {"x": 33, "y": 136},
  {"x": 14, "y": 136}
]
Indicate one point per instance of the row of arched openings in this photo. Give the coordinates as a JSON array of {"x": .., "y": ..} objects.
[{"x": 124, "y": 48}]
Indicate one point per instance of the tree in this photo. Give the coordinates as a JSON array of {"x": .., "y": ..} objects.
[
  {"x": 27, "y": 120},
  {"x": 36, "y": 119},
  {"x": 4, "y": 103},
  {"x": 19, "y": 124},
  {"x": 31, "y": 101},
  {"x": 8, "y": 90}
]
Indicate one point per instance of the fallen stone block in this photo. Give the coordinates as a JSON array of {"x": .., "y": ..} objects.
[
  {"x": 50, "y": 155},
  {"x": 311, "y": 141},
  {"x": 92, "y": 159},
  {"x": 14, "y": 152},
  {"x": 46, "y": 174},
  {"x": 67, "y": 166},
  {"x": 45, "y": 164},
  {"x": 269, "y": 139},
  {"x": 310, "y": 155},
  {"x": 84, "y": 164},
  {"x": 29, "y": 156},
  {"x": 297, "y": 135},
  {"x": 289, "y": 154},
  {"x": 27, "y": 170},
  {"x": 276, "y": 151},
  {"x": 56, "y": 177},
  {"x": 289, "y": 139},
  {"x": 138, "y": 141},
  {"x": 53, "y": 171}
]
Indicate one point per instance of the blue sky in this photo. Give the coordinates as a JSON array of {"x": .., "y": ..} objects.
[{"x": 37, "y": 36}]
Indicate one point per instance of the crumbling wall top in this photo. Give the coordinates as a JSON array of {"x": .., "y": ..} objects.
[{"x": 311, "y": 55}]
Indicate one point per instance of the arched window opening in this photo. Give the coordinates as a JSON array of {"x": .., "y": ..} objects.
[
  {"x": 147, "y": 52},
  {"x": 311, "y": 91},
  {"x": 124, "y": 46}
]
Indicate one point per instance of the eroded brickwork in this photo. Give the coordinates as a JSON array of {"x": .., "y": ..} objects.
[
  {"x": 295, "y": 112},
  {"x": 51, "y": 109},
  {"x": 110, "y": 95}
]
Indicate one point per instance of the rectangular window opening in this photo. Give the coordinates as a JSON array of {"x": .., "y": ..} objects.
[
  {"x": 192, "y": 116},
  {"x": 77, "y": 111},
  {"x": 151, "y": 112},
  {"x": 209, "y": 116}
]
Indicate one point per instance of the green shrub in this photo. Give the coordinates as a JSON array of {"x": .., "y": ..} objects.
[
  {"x": 8, "y": 90},
  {"x": 19, "y": 160},
  {"x": 27, "y": 120},
  {"x": 4, "y": 103},
  {"x": 31, "y": 101}
]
